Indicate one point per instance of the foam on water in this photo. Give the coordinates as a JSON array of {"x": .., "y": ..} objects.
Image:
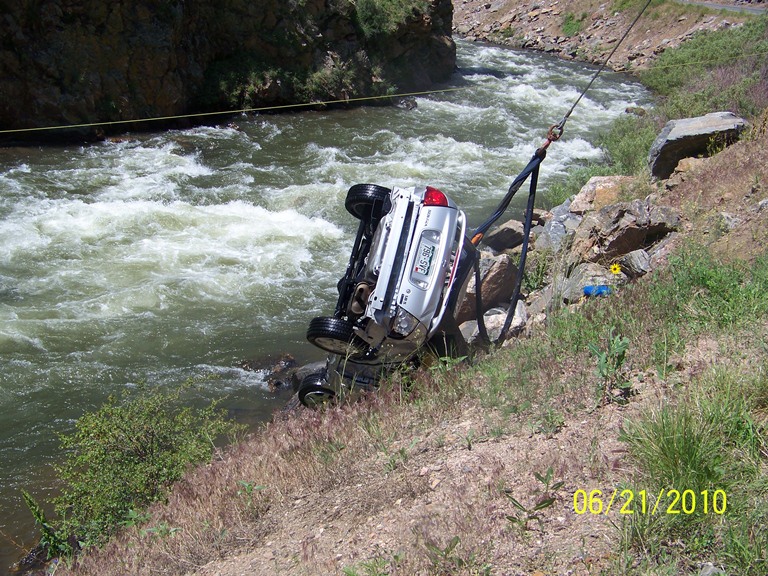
[{"x": 107, "y": 259}]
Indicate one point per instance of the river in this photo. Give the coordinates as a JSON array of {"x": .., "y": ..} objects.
[{"x": 162, "y": 257}]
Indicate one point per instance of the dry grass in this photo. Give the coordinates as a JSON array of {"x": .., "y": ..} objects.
[
  {"x": 734, "y": 181},
  {"x": 395, "y": 477}
]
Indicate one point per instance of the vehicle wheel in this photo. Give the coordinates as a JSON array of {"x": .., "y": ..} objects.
[
  {"x": 334, "y": 335},
  {"x": 366, "y": 201},
  {"x": 314, "y": 392}
]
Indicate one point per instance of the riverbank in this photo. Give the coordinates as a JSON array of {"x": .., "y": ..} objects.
[{"x": 587, "y": 30}]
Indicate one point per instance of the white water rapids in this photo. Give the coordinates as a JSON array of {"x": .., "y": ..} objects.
[{"x": 155, "y": 258}]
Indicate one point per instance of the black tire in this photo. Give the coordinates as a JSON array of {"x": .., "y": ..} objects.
[
  {"x": 366, "y": 201},
  {"x": 314, "y": 392},
  {"x": 334, "y": 335}
]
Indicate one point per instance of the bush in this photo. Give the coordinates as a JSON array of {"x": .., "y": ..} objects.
[
  {"x": 244, "y": 81},
  {"x": 384, "y": 16},
  {"x": 125, "y": 456},
  {"x": 627, "y": 143}
]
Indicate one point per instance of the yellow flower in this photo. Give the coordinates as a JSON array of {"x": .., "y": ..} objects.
[{"x": 615, "y": 268}]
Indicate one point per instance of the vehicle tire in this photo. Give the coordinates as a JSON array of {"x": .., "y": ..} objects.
[
  {"x": 334, "y": 335},
  {"x": 366, "y": 201},
  {"x": 313, "y": 391}
]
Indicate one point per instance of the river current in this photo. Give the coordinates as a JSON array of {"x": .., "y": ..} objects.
[{"x": 162, "y": 257}]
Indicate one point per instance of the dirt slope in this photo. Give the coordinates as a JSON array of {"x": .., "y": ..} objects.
[{"x": 433, "y": 484}]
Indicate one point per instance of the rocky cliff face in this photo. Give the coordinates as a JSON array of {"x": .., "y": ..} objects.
[{"x": 80, "y": 61}]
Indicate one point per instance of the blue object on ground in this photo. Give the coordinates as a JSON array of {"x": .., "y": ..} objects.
[{"x": 599, "y": 290}]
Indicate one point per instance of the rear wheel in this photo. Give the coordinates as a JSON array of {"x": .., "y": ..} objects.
[
  {"x": 314, "y": 392},
  {"x": 366, "y": 201},
  {"x": 334, "y": 335}
]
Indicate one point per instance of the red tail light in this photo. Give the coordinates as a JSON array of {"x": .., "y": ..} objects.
[{"x": 433, "y": 197}]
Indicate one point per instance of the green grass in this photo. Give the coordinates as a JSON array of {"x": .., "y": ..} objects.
[
  {"x": 572, "y": 24},
  {"x": 707, "y": 293},
  {"x": 723, "y": 70},
  {"x": 633, "y": 6},
  {"x": 709, "y": 445},
  {"x": 377, "y": 17}
]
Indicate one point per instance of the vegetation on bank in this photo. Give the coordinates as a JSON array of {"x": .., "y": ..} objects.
[
  {"x": 384, "y": 16},
  {"x": 122, "y": 458},
  {"x": 706, "y": 438}
]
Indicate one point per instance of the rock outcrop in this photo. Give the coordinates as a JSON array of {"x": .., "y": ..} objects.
[
  {"x": 80, "y": 61},
  {"x": 591, "y": 244},
  {"x": 620, "y": 228},
  {"x": 690, "y": 137}
]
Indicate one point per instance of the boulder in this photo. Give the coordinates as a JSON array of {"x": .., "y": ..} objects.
[
  {"x": 505, "y": 237},
  {"x": 619, "y": 229},
  {"x": 540, "y": 301},
  {"x": 494, "y": 321},
  {"x": 691, "y": 137},
  {"x": 683, "y": 171},
  {"x": 636, "y": 263},
  {"x": 597, "y": 193},
  {"x": 498, "y": 275},
  {"x": 558, "y": 228},
  {"x": 727, "y": 221}
]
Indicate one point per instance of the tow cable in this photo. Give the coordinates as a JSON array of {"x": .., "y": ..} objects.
[{"x": 532, "y": 170}]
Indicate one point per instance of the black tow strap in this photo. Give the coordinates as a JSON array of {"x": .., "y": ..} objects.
[{"x": 532, "y": 170}]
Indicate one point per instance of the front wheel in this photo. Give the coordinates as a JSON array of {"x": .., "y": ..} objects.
[
  {"x": 366, "y": 201},
  {"x": 335, "y": 335}
]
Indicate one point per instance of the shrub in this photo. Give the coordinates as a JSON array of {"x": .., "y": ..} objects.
[
  {"x": 125, "y": 456},
  {"x": 627, "y": 143},
  {"x": 384, "y": 16}
]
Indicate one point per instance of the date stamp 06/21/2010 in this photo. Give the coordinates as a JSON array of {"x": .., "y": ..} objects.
[{"x": 665, "y": 501}]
